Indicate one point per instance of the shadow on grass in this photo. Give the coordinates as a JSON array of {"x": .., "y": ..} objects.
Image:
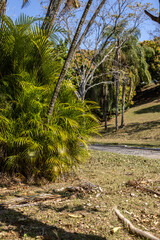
[
  {"x": 25, "y": 225},
  {"x": 134, "y": 128},
  {"x": 69, "y": 209},
  {"x": 129, "y": 133},
  {"x": 152, "y": 109},
  {"x": 138, "y": 127}
]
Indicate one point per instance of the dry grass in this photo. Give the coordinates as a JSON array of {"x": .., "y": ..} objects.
[
  {"x": 87, "y": 215},
  {"x": 142, "y": 127}
]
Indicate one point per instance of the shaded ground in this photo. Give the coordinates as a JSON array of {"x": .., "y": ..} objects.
[
  {"x": 147, "y": 94},
  {"x": 83, "y": 214}
]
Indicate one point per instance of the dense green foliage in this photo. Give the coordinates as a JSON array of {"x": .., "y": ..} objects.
[
  {"x": 29, "y": 67},
  {"x": 152, "y": 55},
  {"x": 35, "y": 141}
]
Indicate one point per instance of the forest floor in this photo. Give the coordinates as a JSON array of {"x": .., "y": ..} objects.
[
  {"x": 142, "y": 122},
  {"x": 80, "y": 207}
]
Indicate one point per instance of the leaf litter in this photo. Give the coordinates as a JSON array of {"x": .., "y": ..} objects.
[{"x": 81, "y": 207}]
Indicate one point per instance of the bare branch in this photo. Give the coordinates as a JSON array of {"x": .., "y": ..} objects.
[
  {"x": 96, "y": 84},
  {"x": 154, "y": 18}
]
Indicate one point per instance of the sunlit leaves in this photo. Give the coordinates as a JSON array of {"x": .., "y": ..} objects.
[{"x": 29, "y": 67}]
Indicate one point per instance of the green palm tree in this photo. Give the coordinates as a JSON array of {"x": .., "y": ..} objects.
[
  {"x": 29, "y": 68},
  {"x": 135, "y": 69}
]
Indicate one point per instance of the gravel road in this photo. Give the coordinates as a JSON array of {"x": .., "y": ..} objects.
[{"x": 144, "y": 152}]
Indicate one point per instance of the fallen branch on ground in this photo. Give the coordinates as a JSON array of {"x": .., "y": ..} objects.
[
  {"x": 133, "y": 229},
  {"x": 136, "y": 185}
]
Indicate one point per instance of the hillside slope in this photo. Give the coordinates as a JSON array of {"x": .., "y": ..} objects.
[{"x": 142, "y": 121}]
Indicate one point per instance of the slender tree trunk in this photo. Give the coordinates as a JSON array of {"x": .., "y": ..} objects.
[
  {"x": 105, "y": 91},
  {"x": 73, "y": 48},
  {"x": 130, "y": 91},
  {"x": 123, "y": 102},
  {"x": 51, "y": 14},
  {"x": 117, "y": 101},
  {"x": 105, "y": 105},
  {"x": 81, "y": 90},
  {"x": 90, "y": 23},
  {"x": 3, "y": 4},
  {"x": 46, "y": 20},
  {"x": 69, "y": 58},
  {"x": 117, "y": 76}
]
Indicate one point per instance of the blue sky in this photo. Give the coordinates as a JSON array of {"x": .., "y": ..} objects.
[
  {"x": 32, "y": 9},
  {"x": 35, "y": 9}
]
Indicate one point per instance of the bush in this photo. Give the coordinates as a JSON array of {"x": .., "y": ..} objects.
[{"x": 29, "y": 145}]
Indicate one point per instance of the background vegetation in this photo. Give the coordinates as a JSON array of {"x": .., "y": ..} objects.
[{"x": 52, "y": 82}]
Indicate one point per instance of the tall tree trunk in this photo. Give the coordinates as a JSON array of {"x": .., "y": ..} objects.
[
  {"x": 69, "y": 57},
  {"x": 51, "y": 14},
  {"x": 117, "y": 79},
  {"x": 72, "y": 50},
  {"x": 117, "y": 101},
  {"x": 105, "y": 105},
  {"x": 3, "y": 4},
  {"x": 130, "y": 91},
  {"x": 123, "y": 101},
  {"x": 90, "y": 23},
  {"x": 105, "y": 91}
]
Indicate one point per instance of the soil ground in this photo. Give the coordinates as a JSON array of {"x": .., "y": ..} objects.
[{"x": 52, "y": 212}]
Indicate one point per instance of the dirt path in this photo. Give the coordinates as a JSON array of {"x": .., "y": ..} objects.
[{"x": 150, "y": 153}]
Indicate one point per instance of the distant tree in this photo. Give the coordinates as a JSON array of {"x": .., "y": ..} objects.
[
  {"x": 152, "y": 55},
  {"x": 135, "y": 70}
]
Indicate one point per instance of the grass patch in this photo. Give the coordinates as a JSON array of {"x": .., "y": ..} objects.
[
  {"x": 142, "y": 127},
  {"x": 88, "y": 215}
]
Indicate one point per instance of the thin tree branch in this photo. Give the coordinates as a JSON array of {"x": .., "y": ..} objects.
[
  {"x": 154, "y": 18},
  {"x": 96, "y": 84}
]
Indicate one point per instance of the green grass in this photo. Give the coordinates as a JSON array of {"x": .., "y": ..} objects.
[
  {"x": 142, "y": 127},
  {"x": 88, "y": 216}
]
